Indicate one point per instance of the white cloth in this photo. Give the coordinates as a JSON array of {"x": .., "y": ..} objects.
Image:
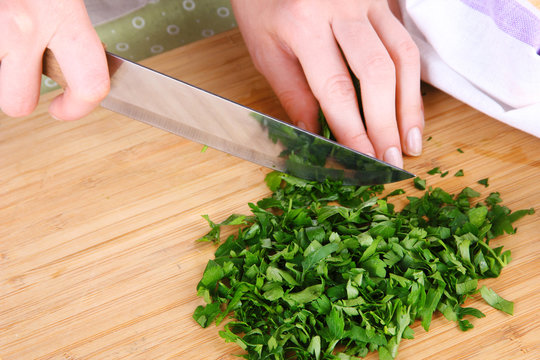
[{"x": 485, "y": 53}]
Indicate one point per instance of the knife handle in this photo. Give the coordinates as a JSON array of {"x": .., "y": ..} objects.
[{"x": 51, "y": 68}]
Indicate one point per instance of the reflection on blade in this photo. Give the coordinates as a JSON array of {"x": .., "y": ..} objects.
[
  {"x": 200, "y": 116},
  {"x": 315, "y": 158}
]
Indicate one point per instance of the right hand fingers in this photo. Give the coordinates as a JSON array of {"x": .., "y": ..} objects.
[
  {"x": 84, "y": 66},
  {"x": 68, "y": 32},
  {"x": 406, "y": 57},
  {"x": 20, "y": 60},
  {"x": 20, "y": 75},
  {"x": 376, "y": 72},
  {"x": 328, "y": 77},
  {"x": 285, "y": 75}
]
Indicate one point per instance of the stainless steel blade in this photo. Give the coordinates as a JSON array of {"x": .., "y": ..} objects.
[{"x": 183, "y": 109}]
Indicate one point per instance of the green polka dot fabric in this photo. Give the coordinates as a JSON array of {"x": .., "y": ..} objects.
[{"x": 161, "y": 25}]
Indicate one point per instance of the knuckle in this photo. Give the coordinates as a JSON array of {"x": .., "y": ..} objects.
[
  {"x": 19, "y": 21},
  {"x": 410, "y": 111},
  {"x": 298, "y": 21},
  {"x": 297, "y": 8},
  {"x": 288, "y": 98},
  {"x": 300, "y": 106},
  {"x": 93, "y": 91},
  {"x": 389, "y": 130},
  {"x": 357, "y": 140},
  {"x": 385, "y": 128},
  {"x": 408, "y": 52},
  {"x": 339, "y": 87},
  {"x": 360, "y": 138},
  {"x": 379, "y": 67}
]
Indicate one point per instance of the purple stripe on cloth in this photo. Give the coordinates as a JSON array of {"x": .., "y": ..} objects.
[{"x": 512, "y": 18}]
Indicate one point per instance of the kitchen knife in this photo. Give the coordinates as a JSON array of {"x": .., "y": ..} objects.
[{"x": 198, "y": 115}]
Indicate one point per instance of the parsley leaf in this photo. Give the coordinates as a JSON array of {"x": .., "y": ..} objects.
[
  {"x": 319, "y": 267},
  {"x": 420, "y": 184},
  {"x": 434, "y": 171},
  {"x": 484, "y": 182},
  {"x": 496, "y": 301}
]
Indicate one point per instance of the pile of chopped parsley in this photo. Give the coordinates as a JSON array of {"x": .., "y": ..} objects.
[{"x": 327, "y": 271}]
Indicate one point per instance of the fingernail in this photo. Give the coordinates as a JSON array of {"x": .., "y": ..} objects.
[
  {"x": 393, "y": 156},
  {"x": 414, "y": 142},
  {"x": 51, "y": 113}
]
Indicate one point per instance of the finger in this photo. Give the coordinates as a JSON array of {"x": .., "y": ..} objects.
[
  {"x": 406, "y": 58},
  {"x": 20, "y": 79},
  {"x": 85, "y": 70},
  {"x": 285, "y": 76},
  {"x": 373, "y": 66},
  {"x": 331, "y": 84}
]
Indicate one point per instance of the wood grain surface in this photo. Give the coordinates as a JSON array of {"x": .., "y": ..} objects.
[{"x": 99, "y": 217}]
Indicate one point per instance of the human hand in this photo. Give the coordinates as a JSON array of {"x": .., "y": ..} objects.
[
  {"x": 303, "y": 48},
  {"x": 28, "y": 27}
]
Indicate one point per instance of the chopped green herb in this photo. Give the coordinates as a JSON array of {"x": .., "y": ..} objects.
[
  {"x": 429, "y": 138},
  {"x": 484, "y": 182},
  {"x": 394, "y": 193},
  {"x": 204, "y": 148},
  {"x": 460, "y": 151},
  {"x": 419, "y": 183},
  {"x": 444, "y": 174},
  {"x": 496, "y": 301},
  {"x": 459, "y": 173},
  {"x": 319, "y": 267},
  {"x": 434, "y": 171}
]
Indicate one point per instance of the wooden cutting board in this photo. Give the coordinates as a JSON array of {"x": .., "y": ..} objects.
[{"x": 99, "y": 217}]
